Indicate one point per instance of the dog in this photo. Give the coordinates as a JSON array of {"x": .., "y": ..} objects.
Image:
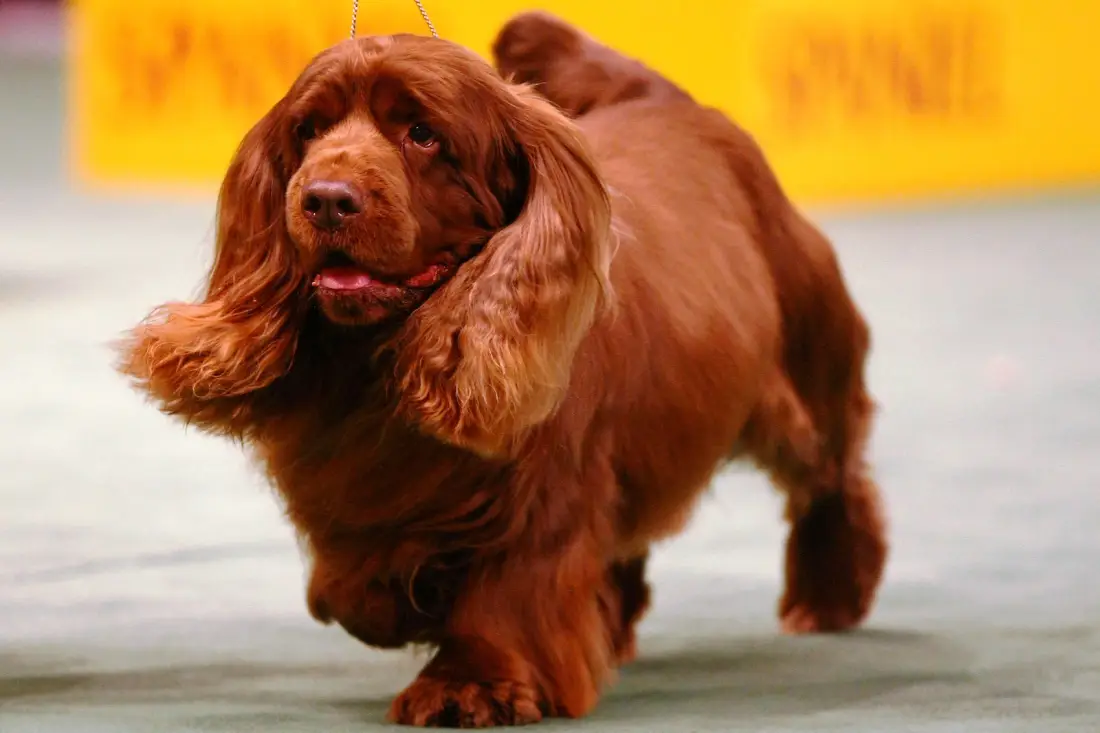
[{"x": 492, "y": 333}]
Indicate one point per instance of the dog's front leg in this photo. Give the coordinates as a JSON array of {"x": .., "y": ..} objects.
[
  {"x": 525, "y": 639},
  {"x": 345, "y": 588}
]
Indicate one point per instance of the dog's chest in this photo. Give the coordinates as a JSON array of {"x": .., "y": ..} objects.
[{"x": 370, "y": 471}]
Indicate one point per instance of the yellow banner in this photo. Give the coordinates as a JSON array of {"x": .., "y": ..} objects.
[
  {"x": 896, "y": 98},
  {"x": 853, "y": 100}
]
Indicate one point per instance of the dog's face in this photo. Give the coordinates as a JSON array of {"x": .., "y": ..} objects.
[{"x": 405, "y": 169}]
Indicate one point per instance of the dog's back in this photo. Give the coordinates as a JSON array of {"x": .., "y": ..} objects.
[{"x": 631, "y": 113}]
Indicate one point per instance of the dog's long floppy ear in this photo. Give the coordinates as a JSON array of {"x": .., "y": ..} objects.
[
  {"x": 490, "y": 355},
  {"x": 205, "y": 361}
]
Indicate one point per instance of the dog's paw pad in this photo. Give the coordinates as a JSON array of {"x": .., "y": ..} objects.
[{"x": 440, "y": 703}]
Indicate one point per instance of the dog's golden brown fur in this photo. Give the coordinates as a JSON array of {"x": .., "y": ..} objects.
[{"x": 513, "y": 355}]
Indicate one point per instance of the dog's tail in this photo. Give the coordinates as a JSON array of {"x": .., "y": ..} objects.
[{"x": 571, "y": 69}]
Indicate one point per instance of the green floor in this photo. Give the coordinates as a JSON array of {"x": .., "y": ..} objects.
[{"x": 148, "y": 583}]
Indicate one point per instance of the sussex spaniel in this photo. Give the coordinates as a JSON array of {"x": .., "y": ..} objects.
[{"x": 489, "y": 354}]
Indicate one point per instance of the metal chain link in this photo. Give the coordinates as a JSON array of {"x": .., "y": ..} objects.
[{"x": 419, "y": 6}]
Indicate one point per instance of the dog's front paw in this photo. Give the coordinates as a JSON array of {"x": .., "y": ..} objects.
[{"x": 454, "y": 703}]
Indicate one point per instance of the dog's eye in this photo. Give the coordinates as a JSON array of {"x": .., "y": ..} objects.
[
  {"x": 305, "y": 130},
  {"x": 422, "y": 135}
]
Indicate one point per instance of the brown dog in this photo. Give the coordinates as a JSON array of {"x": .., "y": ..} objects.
[{"x": 489, "y": 355}]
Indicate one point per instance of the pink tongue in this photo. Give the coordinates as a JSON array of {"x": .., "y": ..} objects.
[{"x": 343, "y": 278}]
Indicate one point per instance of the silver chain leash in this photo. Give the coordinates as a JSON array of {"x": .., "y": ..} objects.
[{"x": 419, "y": 6}]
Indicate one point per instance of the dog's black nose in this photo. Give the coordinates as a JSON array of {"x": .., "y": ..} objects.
[{"x": 329, "y": 204}]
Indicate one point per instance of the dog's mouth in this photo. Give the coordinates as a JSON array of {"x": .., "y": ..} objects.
[
  {"x": 351, "y": 293},
  {"x": 340, "y": 274}
]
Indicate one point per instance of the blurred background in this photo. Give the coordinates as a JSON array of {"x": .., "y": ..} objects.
[{"x": 148, "y": 581}]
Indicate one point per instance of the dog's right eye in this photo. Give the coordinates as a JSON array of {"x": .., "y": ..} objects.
[
  {"x": 422, "y": 135},
  {"x": 305, "y": 130}
]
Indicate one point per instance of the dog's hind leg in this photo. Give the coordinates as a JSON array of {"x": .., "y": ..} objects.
[
  {"x": 628, "y": 597},
  {"x": 836, "y": 549}
]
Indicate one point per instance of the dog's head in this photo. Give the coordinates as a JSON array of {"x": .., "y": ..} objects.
[{"x": 402, "y": 184}]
